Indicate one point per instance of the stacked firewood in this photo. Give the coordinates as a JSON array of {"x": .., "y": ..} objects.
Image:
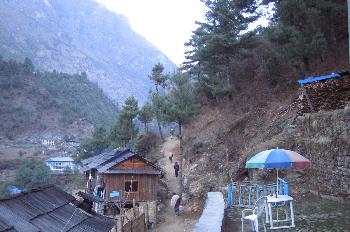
[{"x": 325, "y": 95}]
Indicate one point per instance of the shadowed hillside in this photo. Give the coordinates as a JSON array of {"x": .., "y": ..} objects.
[{"x": 34, "y": 101}]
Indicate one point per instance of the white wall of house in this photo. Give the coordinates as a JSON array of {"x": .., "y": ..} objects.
[
  {"x": 59, "y": 165},
  {"x": 48, "y": 142}
]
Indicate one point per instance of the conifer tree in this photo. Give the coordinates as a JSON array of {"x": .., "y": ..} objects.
[
  {"x": 125, "y": 131},
  {"x": 145, "y": 115},
  {"x": 160, "y": 80},
  {"x": 28, "y": 64},
  {"x": 215, "y": 42},
  {"x": 307, "y": 30}
]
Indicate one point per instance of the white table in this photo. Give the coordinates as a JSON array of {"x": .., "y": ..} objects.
[{"x": 280, "y": 199}]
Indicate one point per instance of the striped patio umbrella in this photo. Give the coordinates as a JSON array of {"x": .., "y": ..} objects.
[{"x": 278, "y": 158}]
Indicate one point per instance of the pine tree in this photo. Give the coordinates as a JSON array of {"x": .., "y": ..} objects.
[
  {"x": 160, "y": 80},
  {"x": 124, "y": 131},
  {"x": 307, "y": 30},
  {"x": 145, "y": 115},
  {"x": 158, "y": 77},
  {"x": 215, "y": 42},
  {"x": 28, "y": 64}
]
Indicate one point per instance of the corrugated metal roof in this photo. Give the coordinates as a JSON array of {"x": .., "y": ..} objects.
[
  {"x": 65, "y": 217},
  {"x": 100, "y": 159},
  {"x": 14, "y": 220},
  {"x": 319, "y": 78},
  {"x": 47, "y": 209},
  {"x": 60, "y": 159},
  {"x": 4, "y": 226},
  {"x": 135, "y": 171},
  {"x": 96, "y": 224},
  {"x": 117, "y": 160},
  {"x": 105, "y": 161}
]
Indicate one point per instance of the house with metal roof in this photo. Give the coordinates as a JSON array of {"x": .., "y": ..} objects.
[
  {"x": 60, "y": 163},
  {"x": 121, "y": 175},
  {"x": 48, "y": 209}
]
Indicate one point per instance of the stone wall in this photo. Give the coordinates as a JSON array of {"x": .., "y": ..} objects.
[{"x": 324, "y": 138}]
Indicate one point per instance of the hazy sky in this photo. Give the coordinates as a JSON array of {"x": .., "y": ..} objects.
[{"x": 167, "y": 24}]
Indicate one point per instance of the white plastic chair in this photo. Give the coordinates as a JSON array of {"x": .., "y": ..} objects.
[{"x": 260, "y": 207}]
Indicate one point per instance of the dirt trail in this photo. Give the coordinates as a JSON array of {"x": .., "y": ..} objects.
[{"x": 171, "y": 222}]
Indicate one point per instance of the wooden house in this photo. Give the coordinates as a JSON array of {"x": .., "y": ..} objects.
[{"x": 121, "y": 175}]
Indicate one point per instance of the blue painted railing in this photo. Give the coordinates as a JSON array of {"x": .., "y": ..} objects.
[{"x": 244, "y": 194}]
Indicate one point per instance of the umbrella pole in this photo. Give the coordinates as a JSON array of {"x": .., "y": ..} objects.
[{"x": 277, "y": 183}]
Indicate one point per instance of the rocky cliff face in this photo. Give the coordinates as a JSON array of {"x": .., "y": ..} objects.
[{"x": 80, "y": 36}]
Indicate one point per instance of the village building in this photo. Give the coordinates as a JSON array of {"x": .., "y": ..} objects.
[
  {"x": 48, "y": 139},
  {"x": 48, "y": 209},
  {"x": 119, "y": 176},
  {"x": 59, "y": 164}
]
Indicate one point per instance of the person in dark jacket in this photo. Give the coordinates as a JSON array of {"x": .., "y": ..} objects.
[
  {"x": 177, "y": 206},
  {"x": 176, "y": 168}
]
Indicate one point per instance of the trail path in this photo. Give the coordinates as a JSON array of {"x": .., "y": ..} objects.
[{"x": 171, "y": 222}]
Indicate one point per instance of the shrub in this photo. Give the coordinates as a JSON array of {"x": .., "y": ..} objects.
[
  {"x": 146, "y": 142},
  {"x": 21, "y": 153},
  {"x": 32, "y": 173},
  {"x": 3, "y": 190}
]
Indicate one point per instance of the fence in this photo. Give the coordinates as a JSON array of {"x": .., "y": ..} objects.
[
  {"x": 136, "y": 225},
  {"x": 245, "y": 194}
]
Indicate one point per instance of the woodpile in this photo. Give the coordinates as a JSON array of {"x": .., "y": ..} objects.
[{"x": 325, "y": 95}]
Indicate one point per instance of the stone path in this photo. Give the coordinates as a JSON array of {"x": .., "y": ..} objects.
[{"x": 171, "y": 222}]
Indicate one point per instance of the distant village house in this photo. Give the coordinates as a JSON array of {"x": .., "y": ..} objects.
[
  {"x": 48, "y": 142},
  {"x": 60, "y": 163}
]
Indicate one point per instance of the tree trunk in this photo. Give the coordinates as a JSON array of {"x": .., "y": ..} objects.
[
  {"x": 160, "y": 128},
  {"x": 349, "y": 27},
  {"x": 146, "y": 128},
  {"x": 131, "y": 131},
  {"x": 181, "y": 159},
  {"x": 157, "y": 117}
]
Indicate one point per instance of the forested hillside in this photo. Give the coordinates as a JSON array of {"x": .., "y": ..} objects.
[
  {"x": 246, "y": 80},
  {"x": 80, "y": 36},
  {"x": 33, "y": 101}
]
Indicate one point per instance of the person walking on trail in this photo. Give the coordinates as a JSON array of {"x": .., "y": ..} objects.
[
  {"x": 173, "y": 203},
  {"x": 177, "y": 206},
  {"x": 176, "y": 168},
  {"x": 171, "y": 157}
]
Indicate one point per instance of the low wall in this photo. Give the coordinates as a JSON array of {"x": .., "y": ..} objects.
[
  {"x": 324, "y": 138},
  {"x": 213, "y": 214}
]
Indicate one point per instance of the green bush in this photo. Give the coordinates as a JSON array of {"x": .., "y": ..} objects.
[
  {"x": 32, "y": 173},
  {"x": 3, "y": 190}
]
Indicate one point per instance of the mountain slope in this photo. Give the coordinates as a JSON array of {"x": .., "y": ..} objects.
[
  {"x": 76, "y": 36},
  {"x": 57, "y": 102}
]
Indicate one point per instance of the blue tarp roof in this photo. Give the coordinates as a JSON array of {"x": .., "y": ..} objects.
[{"x": 319, "y": 78}]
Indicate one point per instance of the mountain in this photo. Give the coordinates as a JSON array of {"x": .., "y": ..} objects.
[
  {"x": 74, "y": 36},
  {"x": 35, "y": 102}
]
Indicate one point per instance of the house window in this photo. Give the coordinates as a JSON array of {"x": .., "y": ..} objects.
[{"x": 131, "y": 186}]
